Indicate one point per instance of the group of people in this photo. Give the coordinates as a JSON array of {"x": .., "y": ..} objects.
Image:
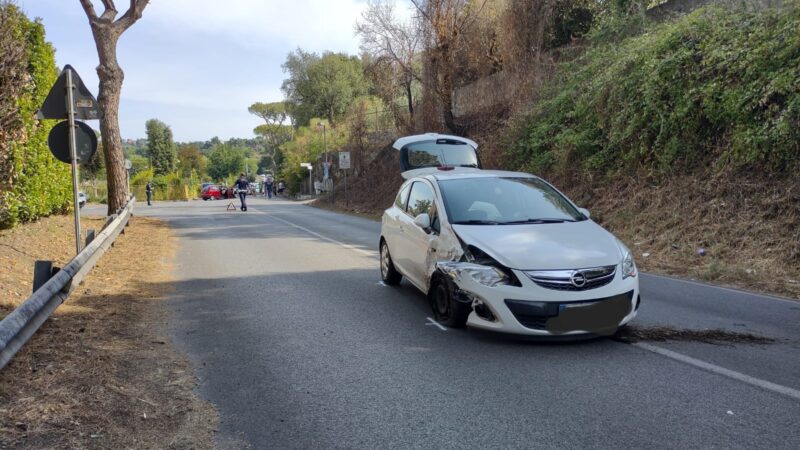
[
  {"x": 270, "y": 189},
  {"x": 242, "y": 186}
]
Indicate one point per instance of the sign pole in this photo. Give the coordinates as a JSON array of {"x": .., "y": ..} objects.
[{"x": 73, "y": 159}]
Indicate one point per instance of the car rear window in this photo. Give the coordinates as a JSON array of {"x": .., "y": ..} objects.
[{"x": 439, "y": 152}]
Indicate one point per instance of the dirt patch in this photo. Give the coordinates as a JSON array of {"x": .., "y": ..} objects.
[
  {"x": 630, "y": 334},
  {"x": 101, "y": 373}
]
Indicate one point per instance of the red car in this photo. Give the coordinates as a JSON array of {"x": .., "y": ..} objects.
[{"x": 212, "y": 192}]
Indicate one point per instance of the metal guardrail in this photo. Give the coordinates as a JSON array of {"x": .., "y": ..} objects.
[{"x": 19, "y": 326}]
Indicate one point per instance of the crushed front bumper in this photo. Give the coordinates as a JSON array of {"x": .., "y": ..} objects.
[{"x": 534, "y": 310}]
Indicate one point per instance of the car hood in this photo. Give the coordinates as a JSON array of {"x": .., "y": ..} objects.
[{"x": 570, "y": 245}]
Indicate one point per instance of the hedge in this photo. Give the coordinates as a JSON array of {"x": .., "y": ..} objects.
[{"x": 33, "y": 183}]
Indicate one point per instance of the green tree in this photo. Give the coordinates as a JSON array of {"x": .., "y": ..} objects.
[
  {"x": 139, "y": 163},
  {"x": 322, "y": 86},
  {"x": 160, "y": 148},
  {"x": 191, "y": 159},
  {"x": 224, "y": 161}
]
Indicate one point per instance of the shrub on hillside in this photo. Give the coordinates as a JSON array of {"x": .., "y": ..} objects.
[
  {"x": 32, "y": 182},
  {"x": 715, "y": 87}
]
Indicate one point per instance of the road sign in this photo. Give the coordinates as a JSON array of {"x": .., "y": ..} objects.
[
  {"x": 85, "y": 142},
  {"x": 55, "y": 106},
  {"x": 344, "y": 160}
]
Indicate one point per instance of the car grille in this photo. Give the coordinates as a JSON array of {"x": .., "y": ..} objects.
[
  {"x": 573, "y": 280},
  {"x": 597, "y": 315}
]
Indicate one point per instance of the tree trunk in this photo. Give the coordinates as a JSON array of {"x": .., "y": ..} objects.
[{"x": 111, "y": 77}]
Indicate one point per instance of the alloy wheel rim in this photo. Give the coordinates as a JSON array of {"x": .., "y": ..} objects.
[
  {"x": 384, "y": 260},
  {"x": 442, "y": 302}
]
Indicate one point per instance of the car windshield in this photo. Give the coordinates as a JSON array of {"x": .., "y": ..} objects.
[
  {"x": 505, "y": 201},
  {"x": 440, "y": 152}
]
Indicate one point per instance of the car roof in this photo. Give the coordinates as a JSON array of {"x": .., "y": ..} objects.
[
  {"x": 466, "y": 172},
  {"x": 403, "y": 141}
]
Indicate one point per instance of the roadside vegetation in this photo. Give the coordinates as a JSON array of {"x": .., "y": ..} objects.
[
  {"x": 717, "y": 89},
  {"x": 33, "y": 183}
]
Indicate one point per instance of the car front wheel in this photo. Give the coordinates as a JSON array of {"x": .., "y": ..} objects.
[
  {"x": 446, "y": 308},
  {"x": 389, "y": 274}
]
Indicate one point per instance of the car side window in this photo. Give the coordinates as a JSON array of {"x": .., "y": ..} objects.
[
  {"x": 420, "y": 200},
  {"x": 400, "y": 201}
]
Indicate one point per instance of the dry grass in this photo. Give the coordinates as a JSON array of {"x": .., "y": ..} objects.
[
  {"x": 101, "y": 372},
  {"x": 747, "y": 224}
]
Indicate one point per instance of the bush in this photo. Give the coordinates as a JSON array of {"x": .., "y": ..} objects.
[
  {"x": 718, "y": 87},
  {"x": 33, "y": 183},
  {"x": 165, "y": 187}
]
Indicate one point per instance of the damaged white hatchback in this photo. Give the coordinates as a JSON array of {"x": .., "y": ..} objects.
[{"x": 502, "y": 251}]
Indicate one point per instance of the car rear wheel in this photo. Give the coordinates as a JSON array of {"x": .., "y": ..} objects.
[
  {"x": 447, "y": 310},
  {"x": 389, "y": 274}
]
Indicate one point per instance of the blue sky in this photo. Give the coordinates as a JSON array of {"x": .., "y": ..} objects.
[{"x": 198, "y": 64}]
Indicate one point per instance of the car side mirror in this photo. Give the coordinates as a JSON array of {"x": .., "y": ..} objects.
[
  {"x": 423, "y": 221},
  {"x": 585, "y": 212}
]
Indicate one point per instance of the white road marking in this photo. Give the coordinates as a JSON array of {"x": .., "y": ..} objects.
[
  {"x": 373, "y": 254},
  {"x": 763, "y": 384},
  {"x": 381, "y": 283},
  {"x": 724, "y": 288},
  {"x": 435, "y": 323}
]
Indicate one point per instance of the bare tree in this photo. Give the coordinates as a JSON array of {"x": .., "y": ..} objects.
[
  {"x": 107, "y": 29},
  {"x": 444, "y": 23},
  {"x": 393, "y": 49}
]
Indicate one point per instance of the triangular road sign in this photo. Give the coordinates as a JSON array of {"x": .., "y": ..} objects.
[{"x": 55, "y": 105}]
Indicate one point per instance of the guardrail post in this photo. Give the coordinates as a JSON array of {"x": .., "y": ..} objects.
[
  {"x": 42, "y": 272},
  {"x": 90, "y": 234}
]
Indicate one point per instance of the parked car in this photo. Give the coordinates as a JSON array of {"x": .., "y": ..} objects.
[
  {"x": 211, "y": 192},
  {"x": 82, "y": 199},
  {"x": 501, "y": 251}
]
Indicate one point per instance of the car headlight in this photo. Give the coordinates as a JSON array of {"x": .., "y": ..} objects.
[
  {"x": 628, "y": 266},
  {"x": 485, "y": 275}
]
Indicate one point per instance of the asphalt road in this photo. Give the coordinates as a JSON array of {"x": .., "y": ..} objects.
[{"x": 299, "y": 346}]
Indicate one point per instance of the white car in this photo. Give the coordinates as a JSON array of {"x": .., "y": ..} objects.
[
  {"x": 82, "y": 199},
  {"x": 502, "y": 251}
]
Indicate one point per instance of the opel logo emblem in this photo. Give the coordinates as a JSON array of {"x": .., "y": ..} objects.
[{"x": 578, "y": 279}]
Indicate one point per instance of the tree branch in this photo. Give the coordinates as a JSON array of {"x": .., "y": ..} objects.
[
  {"x": 88, "y": 7},
  {"x": 110, "y": 13},
  {"x": 133, "y": 14}
]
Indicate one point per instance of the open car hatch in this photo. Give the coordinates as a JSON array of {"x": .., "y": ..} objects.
[{"x": 431, "y": 152}]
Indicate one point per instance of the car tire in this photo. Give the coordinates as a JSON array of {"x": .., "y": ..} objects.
[
  {"x": 447, "y": 310},
  {"x": 389, "y": 274}
]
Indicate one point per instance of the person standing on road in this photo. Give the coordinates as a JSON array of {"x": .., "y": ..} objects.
[
  {"x": 268, "y": 186},
  {"x": 243, "y": 185},
  {"x": 148, "y": 189}
]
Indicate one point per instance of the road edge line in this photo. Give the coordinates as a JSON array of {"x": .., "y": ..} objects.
[{"x": 753, "y": 381}]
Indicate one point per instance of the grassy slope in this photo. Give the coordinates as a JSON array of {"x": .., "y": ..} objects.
[
  {"x": 715, "y": 88},
  {"x": 684, "y": 137}
]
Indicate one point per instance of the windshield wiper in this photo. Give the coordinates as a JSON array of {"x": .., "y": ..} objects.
[
  {"x": 477, "y": 222},
  {"x": 536, "y": 221}
]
